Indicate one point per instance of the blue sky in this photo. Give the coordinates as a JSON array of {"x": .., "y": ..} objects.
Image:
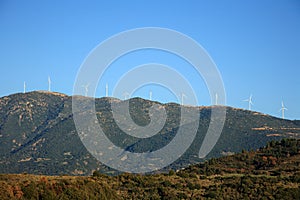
[{"x": 255, "y": 44}]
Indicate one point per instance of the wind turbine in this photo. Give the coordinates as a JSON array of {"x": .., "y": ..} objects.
[
  {"x": 106, "y": 90},
  {"x": 249, "y": 102},
  {"x": 182, "y": 96},
  {"x": 49, "y": 84},
  {"x": 282, "y": 109},
  {"x": 217, "y": 98},
  {"x": 86, "y": 87},
  {"x": 126, "y": 95},
  {"x": 150, "y": 95},
  {"x": 24, "y": 91}
]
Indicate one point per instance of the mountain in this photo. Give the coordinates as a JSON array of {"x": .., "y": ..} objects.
[
  {"x": 38, "y": 135},
  {"x": 271, "y": 172}
]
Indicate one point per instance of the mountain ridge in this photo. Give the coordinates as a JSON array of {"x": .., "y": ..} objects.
[
  {"x": 38, "y": 135},
  {"x": 154, "y": 101}
]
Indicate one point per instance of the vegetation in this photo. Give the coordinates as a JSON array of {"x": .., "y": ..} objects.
[
  {"x": 272, "y": 172},
  {"x": 38, "y": 136}
]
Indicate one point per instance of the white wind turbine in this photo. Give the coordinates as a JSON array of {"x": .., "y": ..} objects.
[
  {"x": 49, "y": 84},
  {"x": 150, "y": 95},
  {"x": 182, "y": 96},
  {"x": 217, "y": 98},
  {"x": 106, "y": 90},
  {"x": 282, "y": 109},
  {"x": 86, "y": 87},
  {"x": 24, "y": 91},
  {"x": 126, "y": 95},
  {"x": 249, "y": 102}
]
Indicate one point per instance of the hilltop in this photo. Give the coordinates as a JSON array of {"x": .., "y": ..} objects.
[{"x": 38, "y": 135}]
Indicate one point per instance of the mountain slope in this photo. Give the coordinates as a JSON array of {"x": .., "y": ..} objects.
[
  {"x": 272, "y": 172},
  {"x": 38, "y": 135}
]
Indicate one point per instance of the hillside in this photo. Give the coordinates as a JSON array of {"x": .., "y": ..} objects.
[
  {"x": 272, "y": 172},
  {"x": 38, "y": 136}
]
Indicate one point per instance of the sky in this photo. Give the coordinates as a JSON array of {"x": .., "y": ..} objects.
[{"x": 254, "y": 44}]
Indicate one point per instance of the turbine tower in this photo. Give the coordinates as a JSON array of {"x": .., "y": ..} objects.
[
  {"x": 282, "y": 109},
  {"x": 24, "y": 91},
  {"x": 182, "y": 96},
  {"x": 217, "y": 98},
  {"x": 150, "y": 95},
  {"x": 126, "y": 95},
  {"x": 106, "y": 90},
  {"x": 249, "y": 102},
  {"x": 86, "y": 87},
  {"x": 49, "y": 84}
]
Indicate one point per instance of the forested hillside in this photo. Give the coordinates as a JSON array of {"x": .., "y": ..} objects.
[{"x": 272, "y": 172}]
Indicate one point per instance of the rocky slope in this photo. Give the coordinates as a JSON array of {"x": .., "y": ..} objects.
[{"x": 38, "y": 135}]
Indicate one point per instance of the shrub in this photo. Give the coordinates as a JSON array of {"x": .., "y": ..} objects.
[
  {"x": 96, "y": 174},
  {"x": 171, "y": 172}
]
